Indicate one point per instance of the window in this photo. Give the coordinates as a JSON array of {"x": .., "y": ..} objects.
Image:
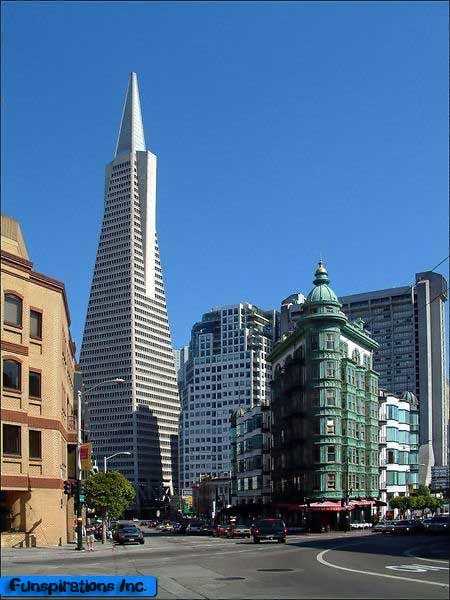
[
  {"x": 331, "y": 453},
  {"x": 330, "y": 427},
  {"x": 329, "y": 341},
  {"x": 391, "y": 434},
  {"x": 35, "y": 444},
  {"x": 13, "y": 310},
  {"x": 35, "y": 324},
  {"x": 12, "y": 374},
  {"x": 11, "y": 439},
  {"x": 329, "y": 369},
  {"x": 330, "y": 397},
  {"x": 331, "y": 481},
  {"x": 34, "y": 384}
]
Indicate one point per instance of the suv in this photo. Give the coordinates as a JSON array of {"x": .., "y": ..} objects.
[{"x": 269, "y": 529}]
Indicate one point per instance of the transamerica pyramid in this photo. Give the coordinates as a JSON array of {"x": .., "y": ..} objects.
[{"x": 127, "y": 333}]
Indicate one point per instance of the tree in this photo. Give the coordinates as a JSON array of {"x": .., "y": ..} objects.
[
  {"x": 403, "y": 503},
  {"x": 109, "y": 493}
]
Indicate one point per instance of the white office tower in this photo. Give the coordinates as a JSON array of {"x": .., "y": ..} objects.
[
  {"x": 127, "y": 330},
  {"x": 227, "y": 368}
]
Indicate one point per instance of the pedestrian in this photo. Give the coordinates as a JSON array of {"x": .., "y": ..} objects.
[{"x": 90, "y": 538}]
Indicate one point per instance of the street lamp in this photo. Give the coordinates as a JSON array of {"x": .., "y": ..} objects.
[
  {"x": 105, "y": 459},
  {"x": 79, "y": 442},
  {"x": 112, "y": 456}
]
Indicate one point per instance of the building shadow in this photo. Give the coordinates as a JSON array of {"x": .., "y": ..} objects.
[
  {"x": 378, "y": 544},
  {"x": 150, "y": 485}
]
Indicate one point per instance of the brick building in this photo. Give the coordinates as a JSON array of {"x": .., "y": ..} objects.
[{"x": 37, "y": 410}]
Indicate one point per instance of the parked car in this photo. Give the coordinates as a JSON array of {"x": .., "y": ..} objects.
[
  {"x": 240, "y": 531},
  {"x": 179, "y": 528},
  {"x": 437, "y": 524},
  {"x": 407, "y": 527},
  {"x": 269, "y": 529},
  {"x": 194, "y": 528},
  {"x": 219, "y": 530},
  {"x": 207, "y": 529},
  {"x": 129, "y": 535},
  {"x": 382, "y": 526},
  {"x": 363, "y": 525}
]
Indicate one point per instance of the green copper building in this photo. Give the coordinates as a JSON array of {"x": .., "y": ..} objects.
[{"x": 325, "y": 455}]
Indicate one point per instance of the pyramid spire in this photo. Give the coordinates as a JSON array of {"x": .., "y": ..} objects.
[{"x": 131, "y": 134}]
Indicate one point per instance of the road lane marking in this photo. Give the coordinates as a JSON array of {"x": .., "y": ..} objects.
[
  {"x": 411, "y": 550},
  {"x": 320, "y": 559},
  {"x": 416, "y": 568}
]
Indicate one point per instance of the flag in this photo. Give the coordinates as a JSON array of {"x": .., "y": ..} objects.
[{"x": 85, "y": 456}]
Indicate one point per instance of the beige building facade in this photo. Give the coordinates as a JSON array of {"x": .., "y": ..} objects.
[{"x": 38, "y": 422}]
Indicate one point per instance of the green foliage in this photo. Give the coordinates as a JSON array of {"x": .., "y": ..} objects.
[
  {"x": 421, "y": 499},
  {"x": 109, "y": 492},
  {"x": 400, "y": 502},
  {"x": 422, "y": 490}
]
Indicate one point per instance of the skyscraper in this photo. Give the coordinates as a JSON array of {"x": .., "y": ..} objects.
[
  {"x": 127, "y": 331},
  {"x": 227, "y": 368},
  {"x": 409, "y": 324}
]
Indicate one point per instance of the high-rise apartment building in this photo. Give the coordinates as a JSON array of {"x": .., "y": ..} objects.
[
  {"x": 181, "y": 358},
  {"x": 227, "y": 368},
  {"x": 409, "y": 325},
  {"x": 127, "y": 331}
]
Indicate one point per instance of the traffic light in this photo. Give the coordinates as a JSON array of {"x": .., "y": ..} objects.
[{"x": 68, "y": 488}]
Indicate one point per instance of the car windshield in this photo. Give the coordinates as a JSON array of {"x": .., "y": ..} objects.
[{"x": 270, "y": 524}]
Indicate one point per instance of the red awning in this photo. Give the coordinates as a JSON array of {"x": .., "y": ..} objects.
[
  {"x": 358, "y": 503},
  {"x": 326, "y": 506}
]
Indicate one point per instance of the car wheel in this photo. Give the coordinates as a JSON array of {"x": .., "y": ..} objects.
[
  {"x": 256, "y": 540},
  {"x": 282, "y": 541},
  {"x": 142, "y": 542}
]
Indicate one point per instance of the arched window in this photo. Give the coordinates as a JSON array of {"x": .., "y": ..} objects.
[
  {"x": 12, "y": 374},
  {"x": 13, "y": 310}
]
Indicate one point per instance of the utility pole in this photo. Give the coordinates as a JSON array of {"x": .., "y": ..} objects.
[{"x": 78, "y": 504}]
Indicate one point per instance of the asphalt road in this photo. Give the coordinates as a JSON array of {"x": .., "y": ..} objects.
[{"x": 357, "y": 565}]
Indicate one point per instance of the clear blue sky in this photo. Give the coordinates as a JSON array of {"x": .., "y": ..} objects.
[{"x": 284, "y": 132}]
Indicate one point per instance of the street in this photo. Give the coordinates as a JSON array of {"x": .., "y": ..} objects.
[{"x": 355, "y": 565}]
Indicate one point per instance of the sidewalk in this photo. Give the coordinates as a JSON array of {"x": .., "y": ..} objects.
[{"x": 18, "y": 555}]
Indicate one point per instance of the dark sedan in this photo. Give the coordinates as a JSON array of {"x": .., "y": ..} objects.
[
  {"x": 129, "y": 535},
  {"x": 438, "y": 524},
  {"x": 406, "y": 527},
  {"x": 382, "y": 526}
]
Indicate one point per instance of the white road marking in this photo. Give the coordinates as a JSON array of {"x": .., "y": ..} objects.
[
  {"x": 320, "y": 559},
  {"x": 416, "y": 568},
  {"x": 411, "y": 550}
]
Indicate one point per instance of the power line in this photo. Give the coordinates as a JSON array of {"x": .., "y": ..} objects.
[{"x": 412, "y": 285}]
